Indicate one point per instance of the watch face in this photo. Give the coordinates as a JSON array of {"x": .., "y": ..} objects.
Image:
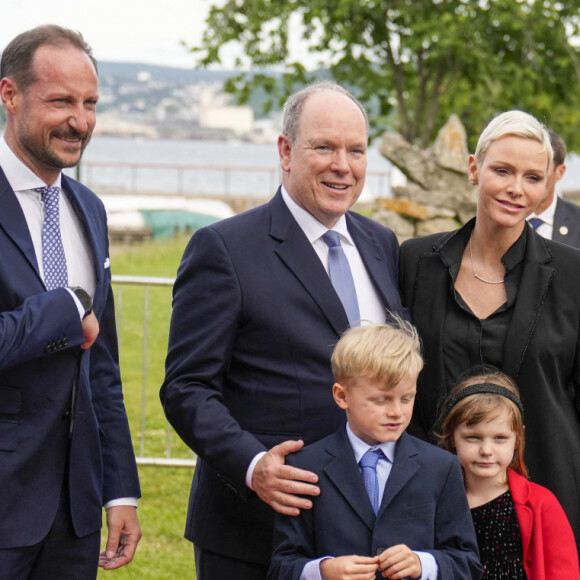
[{"x": 85, "y": 299}]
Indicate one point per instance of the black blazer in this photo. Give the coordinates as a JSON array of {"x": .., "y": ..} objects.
[
  {"x": 40, "y": 359},
  {"x": 542, "y": 352},
  {"x": 424, "y": 506},
  {"x": 255, "y": 318}
]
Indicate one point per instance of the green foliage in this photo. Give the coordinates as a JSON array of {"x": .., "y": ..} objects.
[{"x": 414, "y": 62}]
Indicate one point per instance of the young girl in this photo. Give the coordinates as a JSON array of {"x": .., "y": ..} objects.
[{"x": 521, "y": 529}]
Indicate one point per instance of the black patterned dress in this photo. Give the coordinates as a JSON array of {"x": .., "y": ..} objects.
[{"x": 499, "y": 539}]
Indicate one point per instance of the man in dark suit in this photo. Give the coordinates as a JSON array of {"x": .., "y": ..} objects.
[
  {"x": 255, "y": 317},
  {"x": 555, "y": 218},
  {"x": 65, "y": 446}
]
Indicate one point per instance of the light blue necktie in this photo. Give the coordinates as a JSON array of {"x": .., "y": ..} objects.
[
  {"x": 536, "y": 222},
  {"x": 53, "y": 258},
  {"x": 341, "y": 276},
  {"x": 368, "y": 464}
]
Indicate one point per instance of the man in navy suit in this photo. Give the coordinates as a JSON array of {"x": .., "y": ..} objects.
[
  {"x": 389, "y": 503},
  {"x": 560, "y": 219},
  {"x": 65, "y": 446},
  {"x": 255, "y": 317}
]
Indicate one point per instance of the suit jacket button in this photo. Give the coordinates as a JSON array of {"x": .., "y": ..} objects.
[{"x": 65, "y": 341}]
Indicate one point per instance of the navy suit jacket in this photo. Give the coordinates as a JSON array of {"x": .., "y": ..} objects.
[
  {"x": 40, "y": 361},
  {"x": 567, "y": 215},
  {"x": 424, "y": 506},
  {"x": 255, "y": 318}
]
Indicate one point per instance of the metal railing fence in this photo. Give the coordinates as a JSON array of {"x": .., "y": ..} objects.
[{"x": 143, "y": 306}]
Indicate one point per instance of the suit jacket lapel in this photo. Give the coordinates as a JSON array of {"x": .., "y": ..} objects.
[
  {"x": 13, "y": 222},
  {"x": 297, "y": 253},
  {"x": 403, "y": 469},
  {"x": 534, "y": 285},
  {"x": 89, "y": 224},
  {"x": 344, "y": 473},
  {"x": 429, "y": 303},
  {"x": 373, "y": 257}
]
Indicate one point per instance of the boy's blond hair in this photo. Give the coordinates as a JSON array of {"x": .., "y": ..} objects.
[{"x": 378, "y": 351}]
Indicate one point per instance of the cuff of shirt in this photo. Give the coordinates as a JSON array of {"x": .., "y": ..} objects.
[
  {"x": 311, "y": 570},
  {"x": 251, "y": 467},
  {"x": 80, "y": 307},
  {"x": 429, "y": 568},
  {"x": 132, "y": 501}
]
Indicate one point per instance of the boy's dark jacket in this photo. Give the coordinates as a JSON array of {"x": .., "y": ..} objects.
[{"x": 424, "y": 506}]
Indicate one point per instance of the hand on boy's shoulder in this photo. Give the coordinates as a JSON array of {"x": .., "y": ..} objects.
[
  {"x": 400, "y": 562},
  {"x": 282, "y": 486},
  {"x": 344, "y": 567}
]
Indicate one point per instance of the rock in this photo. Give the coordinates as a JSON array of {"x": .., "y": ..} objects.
[
  {"x": 436, "y": 226},
  {"x": 437, "y": 196},
  {"x": 404, "y": 228},
  {"x": 450, "y": 147}
]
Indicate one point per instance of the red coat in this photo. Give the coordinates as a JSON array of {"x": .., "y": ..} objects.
[{"x": 549, "y": 548}]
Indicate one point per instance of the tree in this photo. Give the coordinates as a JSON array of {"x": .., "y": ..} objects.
[{"x": 413, "y": 62}]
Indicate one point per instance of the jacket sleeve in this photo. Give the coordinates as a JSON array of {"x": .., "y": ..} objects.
[
  {"x": 207, "y": 305},
  {"x": 44, "y": 323},
  {"x": 555, "y": 541}
]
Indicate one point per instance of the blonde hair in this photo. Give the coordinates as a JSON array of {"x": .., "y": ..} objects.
[
  {"x": 517, "y": 124},
  {"x": 483, "y": 406},
  {"x": 379, "y": 351}
]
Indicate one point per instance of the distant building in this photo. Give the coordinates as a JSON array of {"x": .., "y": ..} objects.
[{"x": 215, "y": 114}]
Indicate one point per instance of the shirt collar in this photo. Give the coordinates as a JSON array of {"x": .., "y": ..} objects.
[
  {"x": 19, "y": 175},
  {"x": 311, "y": 227},
  {"x": 451, "y": 250},
  {"x": 360, "y": 447}
]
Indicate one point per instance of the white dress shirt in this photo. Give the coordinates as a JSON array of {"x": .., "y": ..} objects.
[{"x": 372, "y": 310}]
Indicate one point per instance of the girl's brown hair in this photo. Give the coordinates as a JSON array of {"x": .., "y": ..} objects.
[{"x": 483, "y": 406}]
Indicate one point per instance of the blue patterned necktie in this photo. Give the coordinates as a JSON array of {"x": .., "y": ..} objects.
[
  {"x": 368, "y": 464},
  {"x": 53, "y": 258},
  {"x": 341, "y": 276},
  {"x": 536, "y": 222}
]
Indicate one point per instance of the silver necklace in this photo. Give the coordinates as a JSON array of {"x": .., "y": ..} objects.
[{"x": 476, "y": 275}]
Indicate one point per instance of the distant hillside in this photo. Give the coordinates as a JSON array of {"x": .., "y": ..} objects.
[{"x": 130, "y": 70}]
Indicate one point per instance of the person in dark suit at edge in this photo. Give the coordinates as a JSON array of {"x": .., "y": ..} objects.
[
  {"x": 555, "y": 218},
  {"x": 65, "y": 446},
  {"x": 255, "y": 317}
]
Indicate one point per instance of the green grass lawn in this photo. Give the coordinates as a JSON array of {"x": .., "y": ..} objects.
[{"x": 163, "y": 553}]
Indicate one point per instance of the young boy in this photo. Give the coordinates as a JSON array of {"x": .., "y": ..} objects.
[{"x": 420, "y": 526}]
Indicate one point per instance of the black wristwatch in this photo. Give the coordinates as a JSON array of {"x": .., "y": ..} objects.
[{"x": 85, "y": 299}]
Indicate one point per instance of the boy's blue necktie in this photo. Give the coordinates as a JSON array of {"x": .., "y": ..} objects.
[{"x": 368, "y": 464}]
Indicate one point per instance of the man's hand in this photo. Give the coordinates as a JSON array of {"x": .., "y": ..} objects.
[
  {"x": 90, "y": 330},
  {"x": 124, "y": 535},
  {"x": 400, "y": 562},
  {"x": 349, "y": 567},
  {"x": 280, "y": 485}
]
